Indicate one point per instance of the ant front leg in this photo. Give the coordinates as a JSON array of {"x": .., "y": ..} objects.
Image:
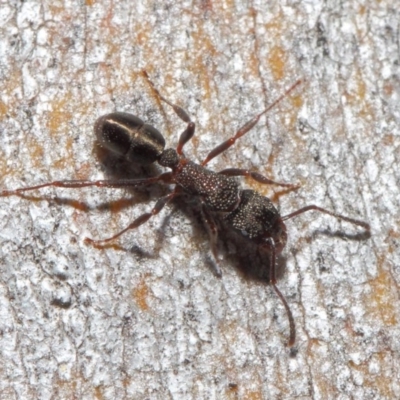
[
  {"x": 212, "y": 229},
  {"x": 270, "y": 247},
  {"x": 256, "y": 176},
  {"x": 313, "y": 207},
  {"x": 138, "y": 221},
  {"x": 188, "y": 133}
]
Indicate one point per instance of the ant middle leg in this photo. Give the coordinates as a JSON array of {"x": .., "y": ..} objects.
[
  {"x": 138, "y": 221},
  {"x": 188, "y": 133},
  {"x": 246, "y": 127},
  {"x": 256, "y": 176}
]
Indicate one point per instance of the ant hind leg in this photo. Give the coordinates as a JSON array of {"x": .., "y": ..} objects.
[
  {"x": 76, "y": 184},
  {"x": 188, "y": 133}
]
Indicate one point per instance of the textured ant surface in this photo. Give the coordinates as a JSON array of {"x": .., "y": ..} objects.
[{"x": 245, "y": 212}]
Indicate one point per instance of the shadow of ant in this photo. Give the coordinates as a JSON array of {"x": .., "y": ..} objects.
[{"x": 359, "y": 236}]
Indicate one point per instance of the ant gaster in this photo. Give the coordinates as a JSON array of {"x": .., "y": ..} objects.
[{"x": 245, "y": 211}]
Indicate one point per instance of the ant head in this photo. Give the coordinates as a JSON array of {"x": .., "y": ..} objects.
[{"x": 169, "y": 158}]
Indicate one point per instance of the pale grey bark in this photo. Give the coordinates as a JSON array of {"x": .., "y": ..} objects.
[{"x": 149, "y": 319}]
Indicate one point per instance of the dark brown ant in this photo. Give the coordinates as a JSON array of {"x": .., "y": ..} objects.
[{"x": 246, "y": 212}]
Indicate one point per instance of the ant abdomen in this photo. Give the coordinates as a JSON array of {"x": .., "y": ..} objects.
[{"x": 129, "y": 137}]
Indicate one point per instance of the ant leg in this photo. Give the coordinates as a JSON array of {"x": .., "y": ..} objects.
[
  {"x": 138, "y": 221},
  {"x": 270, "y": 246},
  {"x": 246, "y": 127},
  {"x": 353, "y": 221},
  {"x": 111, "y": 183},
  {"x": 213, "y": 235},
  {"x": 256, "y": 176},
  {"x": 188, "y": 133}
]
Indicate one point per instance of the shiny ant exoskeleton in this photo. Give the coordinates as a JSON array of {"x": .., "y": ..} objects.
[{"x": 247, "y": 212}]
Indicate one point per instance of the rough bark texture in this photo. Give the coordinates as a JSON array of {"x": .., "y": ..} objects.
[{"x": 146, "y": 318}]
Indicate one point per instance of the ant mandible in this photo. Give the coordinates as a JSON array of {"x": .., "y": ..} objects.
[{"x": 247, "y": 212}]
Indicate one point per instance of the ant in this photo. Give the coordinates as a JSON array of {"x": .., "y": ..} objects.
[{"x": 246, "y": 212}]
